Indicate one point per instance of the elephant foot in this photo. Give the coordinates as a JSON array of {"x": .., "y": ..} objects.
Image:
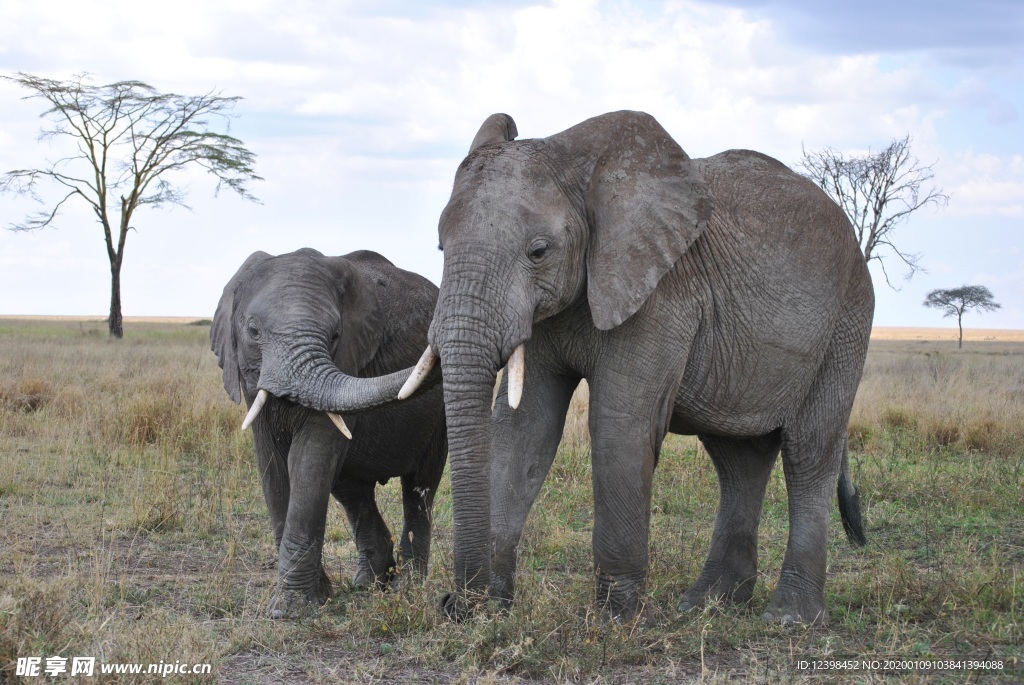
[
  {"x": 366, "y": 579},
  {"x": 503, "y": 590},
  {"x": 718, "y": 585},
  {"x": 291, "y": 603},
  {"x": 794, "y": 602},
  {"x": 461, "y": 606},
  {"x": 621, "y": 598}
]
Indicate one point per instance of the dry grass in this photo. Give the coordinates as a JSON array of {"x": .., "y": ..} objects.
[
  {"x": 946, "y": 334},
  {"x": 942, "y": 397},
  {"x": 135, "y": 531},
  {"x": 98, "y": 320}
]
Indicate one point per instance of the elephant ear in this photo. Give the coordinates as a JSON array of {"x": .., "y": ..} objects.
[
  {"x": 362, "y": 320},
  {"x": 497, "y": 128},
  {"x": 222, "y": 332},
  {"x": 646, "y": 203}
]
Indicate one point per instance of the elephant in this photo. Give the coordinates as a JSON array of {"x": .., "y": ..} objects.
[
  {"x": 288, "y": 332},
  {"x": 722, "y": 297}
]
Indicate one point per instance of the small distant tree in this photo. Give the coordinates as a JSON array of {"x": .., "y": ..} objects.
[
  {"x": 127, "y": 140},
  {"x": 878, "y": 192},
  {"x": 958, "y": 301}
]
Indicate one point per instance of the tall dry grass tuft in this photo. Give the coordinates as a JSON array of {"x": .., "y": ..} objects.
[
  {"x": 969, "y": 399},
  {"x": 146, "y": 413}
]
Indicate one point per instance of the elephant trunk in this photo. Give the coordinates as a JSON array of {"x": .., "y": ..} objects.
[
  {"x": 468, "y": 391},
  {"x": 473, "y": 335},
  {"x": 306, "y": 375}
]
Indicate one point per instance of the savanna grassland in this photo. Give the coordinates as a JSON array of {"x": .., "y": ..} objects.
[{"x": 134, "y": 531}]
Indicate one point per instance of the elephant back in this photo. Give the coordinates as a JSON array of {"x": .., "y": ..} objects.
[{"x": 406, "y": 301}]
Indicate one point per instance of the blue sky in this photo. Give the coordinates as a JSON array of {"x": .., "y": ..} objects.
[{"x": 360, "y": 112}]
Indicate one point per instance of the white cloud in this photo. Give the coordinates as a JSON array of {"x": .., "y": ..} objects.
[
  {"x": 987, "y": 185},
  {"x": 360, "y": 119}
]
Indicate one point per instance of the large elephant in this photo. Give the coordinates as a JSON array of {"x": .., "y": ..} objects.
[
  {"x": 288, "y": 331},
  {"x": 722, "y": 297}
]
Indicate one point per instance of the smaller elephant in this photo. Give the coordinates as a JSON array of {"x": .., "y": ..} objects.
[{"x": 287, "y": 330}]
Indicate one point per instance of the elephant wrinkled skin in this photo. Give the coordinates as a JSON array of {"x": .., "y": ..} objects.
[
  {"x": 721, "y": 297},
  {"x": 299, "y": 326}
]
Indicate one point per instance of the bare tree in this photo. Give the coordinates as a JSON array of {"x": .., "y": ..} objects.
[
  {"x": 957, "y": 301},
  {"x": 878, "y": 192},
  {"x": 127, "y": 140}
]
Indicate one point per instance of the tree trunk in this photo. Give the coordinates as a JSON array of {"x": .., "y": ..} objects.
[
  {"x": 114, "y": 323},
  {"x": 960, "y": 325},
  {"x": 116, "y": 257}
]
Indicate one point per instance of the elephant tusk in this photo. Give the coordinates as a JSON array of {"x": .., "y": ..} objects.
[
  {"x": 423, "y": 367},
  {"x": 256, "y": 408},
  {"x": 516, "y": 370},
  {"x": 340, "y": 423}
]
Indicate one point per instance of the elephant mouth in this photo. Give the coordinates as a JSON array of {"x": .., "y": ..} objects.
[
  {"x": 515, "y": 369},
  {"x": 261, "y": 399}
]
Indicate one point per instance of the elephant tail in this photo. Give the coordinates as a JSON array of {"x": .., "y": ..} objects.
[{"x": 849, "y": 505}]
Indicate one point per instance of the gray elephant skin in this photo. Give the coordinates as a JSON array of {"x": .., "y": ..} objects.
[
  {"x": 721, "y": 297},
  {"x": 298, "y": 326}
]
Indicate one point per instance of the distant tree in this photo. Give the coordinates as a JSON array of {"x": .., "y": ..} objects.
[
  {"x": 128, "y": 139},
  {"x": 878, "y": 192},
  {"x": 958, "y": 301}
]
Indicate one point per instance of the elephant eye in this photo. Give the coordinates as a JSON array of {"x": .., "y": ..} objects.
[
  {"x": 538, "y": 249},
  {"x": 253, "y": 330}
]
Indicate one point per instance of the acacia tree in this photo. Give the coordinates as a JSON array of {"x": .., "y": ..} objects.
[
  {"x": 878, "y": 192},
  {"x": 127, "y": 139},
  {"x": 958, "y": 301}
]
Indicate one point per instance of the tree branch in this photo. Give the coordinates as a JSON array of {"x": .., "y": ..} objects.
[
  {"x": 127, "y": 137},
  {"x": 877, "y": 192}
]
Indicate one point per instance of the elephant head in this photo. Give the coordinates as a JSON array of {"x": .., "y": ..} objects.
[
  {"x": 591, "y": 217},
  {"x": 299, "y": 327}
]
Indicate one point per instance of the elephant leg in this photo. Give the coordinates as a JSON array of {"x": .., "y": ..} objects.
[
  {"x": 273, "y": 468},
  {"x": 312, "y": 460},
  {"x": 418, "y": 491},
  {"x": 811, "y": 466},
  {"x": 813, "y": 446},
  {"x": 523, "y": 447},
  {"x": 730, "y": 570},
  {"x": 623, "y": 464},
  {"x": 374, "y": 545},
  {"x": 627, "y": 426},
  {"x": 417, "y": 504}
]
